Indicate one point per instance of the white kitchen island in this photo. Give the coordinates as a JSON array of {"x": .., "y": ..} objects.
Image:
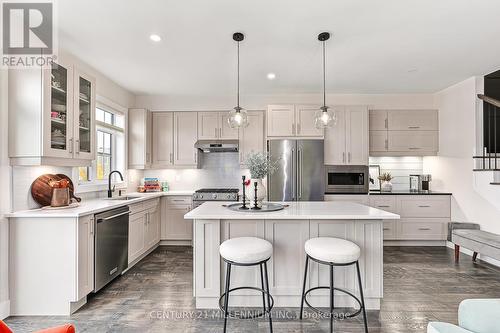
[{"x": 288, "y": 230}]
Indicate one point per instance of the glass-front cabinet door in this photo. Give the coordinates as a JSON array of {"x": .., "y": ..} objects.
[
  {"x": 84, "y": 116},
  {"x": 58, "y": 109}
]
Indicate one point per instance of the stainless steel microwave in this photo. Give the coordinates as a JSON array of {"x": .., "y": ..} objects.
[{"x": 346, "y": 179}]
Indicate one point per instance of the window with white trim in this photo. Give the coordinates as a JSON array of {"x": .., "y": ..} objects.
[{"x": 110, "y": 147}]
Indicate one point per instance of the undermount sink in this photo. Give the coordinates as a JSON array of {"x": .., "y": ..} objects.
[{"x": 125, "y": 197}]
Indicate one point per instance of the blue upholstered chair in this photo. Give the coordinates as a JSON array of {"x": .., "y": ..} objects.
[{"x": 474, "y": 316}]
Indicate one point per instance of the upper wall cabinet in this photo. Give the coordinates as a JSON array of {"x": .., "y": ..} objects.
[
  {"x": 174, "y": 135},
  {"x": 346, "y": 143},
  {"x": 214, "y": 126},
  {"x": 139, "y": 138},
  {"x": 290, "y": 120},
  {"x": 51, "y": 116},
  {"x": 252, "y": 137},
  {"x": 185, "y": 136},
  {"x": 404, "y": 132},
  {"x": 163, "y": 139}
]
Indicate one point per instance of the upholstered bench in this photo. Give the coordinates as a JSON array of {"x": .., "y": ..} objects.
[{"x": 478, "y": 241}]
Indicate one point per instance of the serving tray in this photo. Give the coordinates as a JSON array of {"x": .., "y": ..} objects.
[{"x": 266, "y": 207}]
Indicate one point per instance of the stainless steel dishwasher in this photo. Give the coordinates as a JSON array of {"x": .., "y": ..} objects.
[{"x": 111, "y": 245}]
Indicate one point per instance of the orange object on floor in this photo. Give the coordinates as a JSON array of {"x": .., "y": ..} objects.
[{"x": 68, "y": 328}]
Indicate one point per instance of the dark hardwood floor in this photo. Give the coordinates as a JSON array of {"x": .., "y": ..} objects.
[{"x": 421, "y": 284}]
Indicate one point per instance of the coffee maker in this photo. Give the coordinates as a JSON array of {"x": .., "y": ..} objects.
[{"x": 420, "y": 183}]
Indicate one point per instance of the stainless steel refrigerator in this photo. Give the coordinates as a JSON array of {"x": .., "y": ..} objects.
[{"x": 300, "y": 175}]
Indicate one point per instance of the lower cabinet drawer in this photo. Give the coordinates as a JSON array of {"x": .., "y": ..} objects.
[
  {"x": 135, "y": 208},
  {"x": 178, "y": 200},
  {"x": 384, "y": 202},
  {"x": 390, "y": 230},
  {"x": 151, "y": 203},
  {"x": 424, "y": 206},
  {"x": 422, "y": 229}
]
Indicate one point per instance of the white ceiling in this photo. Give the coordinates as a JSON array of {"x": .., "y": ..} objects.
[{"x": 384, "y": 46}]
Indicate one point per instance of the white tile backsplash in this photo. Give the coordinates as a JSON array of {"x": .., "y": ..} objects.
[
  {"x": 400, "y": 168},
  {"x": 219, "y": 170}
]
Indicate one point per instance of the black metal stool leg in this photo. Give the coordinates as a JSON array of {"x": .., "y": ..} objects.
[
  {"x": 303, "y": 288},
  {"x": 268, "y": 298},
  {"x": 362, "y": 297},
  {"x": 331, "y": 298},
  {"x": 263, "y": 287},
  {"x": 226, "y": 301}
]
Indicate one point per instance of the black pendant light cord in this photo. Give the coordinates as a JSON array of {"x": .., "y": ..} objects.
[
  {"x": 238, "y": 85},
  {"x": 324, "y": 77}
]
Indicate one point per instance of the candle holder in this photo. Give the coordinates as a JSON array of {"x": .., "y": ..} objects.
[
  {"x": 244, "y": 205},
  {"x": 255, "y": 206}
]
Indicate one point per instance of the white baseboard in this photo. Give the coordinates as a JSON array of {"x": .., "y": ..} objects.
[
  {"x": 177, "y": 242},
  {"x": 468, "y": 252},
  {"x": 4, "y": 309},
  {"x": 414, "y": 243}
]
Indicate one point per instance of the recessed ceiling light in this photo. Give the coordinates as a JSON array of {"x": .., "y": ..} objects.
[
  {"x": 271, "y": 76},
  {"x": 413, "y": 70},
  {"x": 155, "y": 38}
]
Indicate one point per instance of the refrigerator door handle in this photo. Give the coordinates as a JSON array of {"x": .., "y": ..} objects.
[
  {"x": 299, "y": 172},
  {"x": 292, "y": 155}
]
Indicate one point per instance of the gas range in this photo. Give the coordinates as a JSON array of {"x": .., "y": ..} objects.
[{"x": 214, "y": 194}]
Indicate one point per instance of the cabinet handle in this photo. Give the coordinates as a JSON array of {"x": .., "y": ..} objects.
[
  {"x": 383, "y": 206},
  {"x": 91, "y": 226},
  {"x": 343, "y": 157},
  {"x": 220, "y": 132},
  {"x": 386, "y": 123},
  {"x": 386, "y": 144},
  {"x": 70, "y": 146},
  {"x": 424, "y": 206},
  {"x": 424, "y": 228},
  {"x": 171, "y": 158},
  {"x": 385, "y": 229},
  {"x": 77, "y": 146},
  {"x": 413, "y": 148},
  {"x": 413, "y": 127},
  {"x": 298, "y": 128},
  {"x": 216, "y": 129},
  {"x": 195, "y": 157},
  {"x": 349, "y": 157},
  {"x": 293, "y": 128}
]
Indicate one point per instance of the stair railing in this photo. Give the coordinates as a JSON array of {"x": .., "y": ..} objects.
[{"x": 492, "y": 107}]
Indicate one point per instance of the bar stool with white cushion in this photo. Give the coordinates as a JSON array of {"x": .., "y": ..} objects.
[
  {"x": 333, "y": 252},
  {"x": 247, "y": 251}
]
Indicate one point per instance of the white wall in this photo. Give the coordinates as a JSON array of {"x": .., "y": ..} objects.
[
  {"x": 474, "y": 199},
  {"x": 5, "y": 200},
  {"x": 259, "y": 102}
]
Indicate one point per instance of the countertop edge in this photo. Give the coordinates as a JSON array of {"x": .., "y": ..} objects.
[{"x": 70, "y": 213}]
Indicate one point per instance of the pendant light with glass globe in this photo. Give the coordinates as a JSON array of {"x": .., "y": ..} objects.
[
  {"x": 238, "y": 117},
  {"x": 324, "y": 117}
]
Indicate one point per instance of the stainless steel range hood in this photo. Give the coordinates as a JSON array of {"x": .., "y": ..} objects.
[{"x": 214, "y": 146}]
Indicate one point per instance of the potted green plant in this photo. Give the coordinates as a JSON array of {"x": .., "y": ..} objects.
[
  {"x": 259, "y": 165},
  {"x": 386, "y": 185}
]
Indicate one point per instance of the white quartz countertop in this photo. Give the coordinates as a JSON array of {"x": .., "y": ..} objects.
[
  {"x": 94, "y": 206},
  {"x": 302, "y": 210}
]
